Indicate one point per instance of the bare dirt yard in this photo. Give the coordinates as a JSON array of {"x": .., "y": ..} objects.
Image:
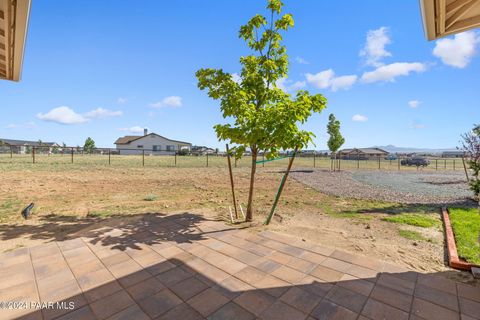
[{"x": 72, "y": 198}]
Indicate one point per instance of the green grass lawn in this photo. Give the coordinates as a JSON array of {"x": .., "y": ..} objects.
[
  {"x": 411, "y": 235},
  {"x": 412, "y": 219},
  {"x": 466, "y": 227}
]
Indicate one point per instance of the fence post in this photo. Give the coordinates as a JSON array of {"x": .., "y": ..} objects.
[
  {"x": 436, "y": 164},
  {"x": 143, "y": 157},
  {"x": 109, "y": 155},
  {"x": 263, "y": 159},
  {"x": 11, "y": 152},
  {"x": 378, "y": 162},
  {"x": 453, "y": 164},
  {"x": 235, "y": 161},
  {"x": 314, "y": 158},
  {"x": 398, "y": 163},
  {"x": 207, "y": 160},
  {"x": 445, "y": 164},
  {"x": 175, "y": 158},
  {"x": 33, "y": 154}
]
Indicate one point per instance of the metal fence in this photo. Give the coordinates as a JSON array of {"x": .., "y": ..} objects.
[{"x": 152, "y": 158}]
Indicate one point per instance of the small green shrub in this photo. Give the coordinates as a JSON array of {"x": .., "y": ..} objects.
[
  {"x": 413, "y": 220},
  {"x": 150, "y": 197}
]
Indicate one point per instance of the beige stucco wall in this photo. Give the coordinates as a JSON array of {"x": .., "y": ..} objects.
[{"x": 148, "y": 142}]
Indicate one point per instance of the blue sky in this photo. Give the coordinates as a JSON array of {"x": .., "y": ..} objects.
[{"x": 106, "y": 68}]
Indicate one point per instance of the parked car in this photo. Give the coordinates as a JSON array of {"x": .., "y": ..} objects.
[
  {"x": 419, "y": 162},
  {"x": 391, "y": 157}
]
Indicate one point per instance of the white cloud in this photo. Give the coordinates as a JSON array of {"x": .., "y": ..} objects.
[
  {"x": 326, "y": 79},
  {"x": 301, "y": 60},
  {"x": 415, "y": 125},
  {"x": 171, "y": 101},
  {"x": 359, "y": 118},
  {"x": 62, "y": 115},
  {"x": 390, "y": 71},
  {"x": 26, "y": 125},
  {"x": 343, "y": 82},
  {"x": 458, "y": 51},
  {"x": 288, "y": 85},
  {"x": 414, "y": 103},
  {"x": 134, "y": 129},
  {"x": 66, "y": 115},
  {"x": 374, "y": 49},
  {"x": 122, "y": 100},
  {"x": 101, "y": 113}
]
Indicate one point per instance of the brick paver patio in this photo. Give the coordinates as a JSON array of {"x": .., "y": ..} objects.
[{"x": 186, "y": 267}]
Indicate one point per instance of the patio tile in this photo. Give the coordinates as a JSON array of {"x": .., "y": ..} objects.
[
  {"x": 326, "y": 274},
  {"x": 231, "y": 311},
  {"x": 428, "y": 310},
  {"x": 377, "y": 310},
  {"x": 442, "y": 298},
  {"x": 315, "y": 286},
  {"x": 250, "y": 275},
  {"x": 313, "y": 257},
  {"x": 336, "y": 264},
  {"x": 111, "y": 304},
  {"x": 145, "y": 288},
  {"x": 301, "y": 299},
  {"x": 363, "y": 273},
  {"x": 437, "y": 282},
  {"x": 255, "y": 301},
  {"x": 273, "y": 286},
  {"x": 133, "y": 278},
  {"x": 301, "y": 265},
  {"x": 94, "y": 279},
  {"x": 392, "y": 297},
  {"x": 181, "y": 312},
  {"x": 102, "y": 291},
  {"x": 327, "y": 310},
  {"x": 78, "y": 302},
  {"x": 161, "y": 267},
  {"x": 207, "y": 301},
  {"x": 84, "y": 268},
  {"x": 355, "y": 284},
  {"x": 159, "y": 303},
  {"x": 288, "y": 274},
  {"x": 116, "y": 258},
  {"x": 232, "y": 287},
  {"x": 188, "y": 288},
  {"x": 279, "y": 257},
  {"x": 214, "y": 274},
  {"x": 132, "y": 312},
  {"x": 84, "y": 313},
  {"x": 16, "y": 274},
  {"x": 395, "y": 283},
  {"x": 469, "y": 292},
  {"x": 282, "y": 311},
  {"x": 266, "y": 265},
  {"x": 470, "y": 308},
  {"x": 45, "y": 250},
  {"x": 347, "y": 298},
  {"x": 46, "y": 267}
]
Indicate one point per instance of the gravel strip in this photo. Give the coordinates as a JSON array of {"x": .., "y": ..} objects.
[{"x": 400, "y": 187}]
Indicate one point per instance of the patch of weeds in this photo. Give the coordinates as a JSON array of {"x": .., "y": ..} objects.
[
  {"x": 150, "y": 197},
  {"x": 412, "y": 219},
  {"x": 8, "y": 208},
  {"x": 98, "y": 214},
  {"x": 466, "y": 227},
  {"x": 411, "y": 235}
]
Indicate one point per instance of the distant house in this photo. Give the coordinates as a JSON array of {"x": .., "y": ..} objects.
[
  {"x": 362, "y": 153},
  {"x": 202, "y": 150},
  {"x": 152, "y": 143},
  {"x": 453, "y": 154},
  {"x": 21, "y": 146}
]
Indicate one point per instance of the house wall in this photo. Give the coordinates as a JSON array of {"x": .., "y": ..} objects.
[{"x": 149, "y": 143}]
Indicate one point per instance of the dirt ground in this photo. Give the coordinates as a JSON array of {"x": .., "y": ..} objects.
[{"x": 71, "y": 199}]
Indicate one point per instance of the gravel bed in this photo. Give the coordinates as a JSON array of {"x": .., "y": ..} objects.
[{"x": 401, "y": 187}]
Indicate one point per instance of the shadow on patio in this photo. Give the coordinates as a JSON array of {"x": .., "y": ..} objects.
[{"x": 187, "y": 267}]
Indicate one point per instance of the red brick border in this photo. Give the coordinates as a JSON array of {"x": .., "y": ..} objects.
[{"x": 453, "y": 259}]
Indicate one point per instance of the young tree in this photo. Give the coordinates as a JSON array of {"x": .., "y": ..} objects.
[
  {"x": 89, "y": 145},
  {"x": 471, "y": 146},
  {"x": 336, "y": 140},
  {"x": 263, "y": 117}
]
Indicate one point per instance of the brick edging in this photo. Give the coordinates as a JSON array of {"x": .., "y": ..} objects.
[{"x": 453, "y": 259}]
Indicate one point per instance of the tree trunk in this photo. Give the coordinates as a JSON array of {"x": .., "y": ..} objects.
[{"x": 252, "y": 184}]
